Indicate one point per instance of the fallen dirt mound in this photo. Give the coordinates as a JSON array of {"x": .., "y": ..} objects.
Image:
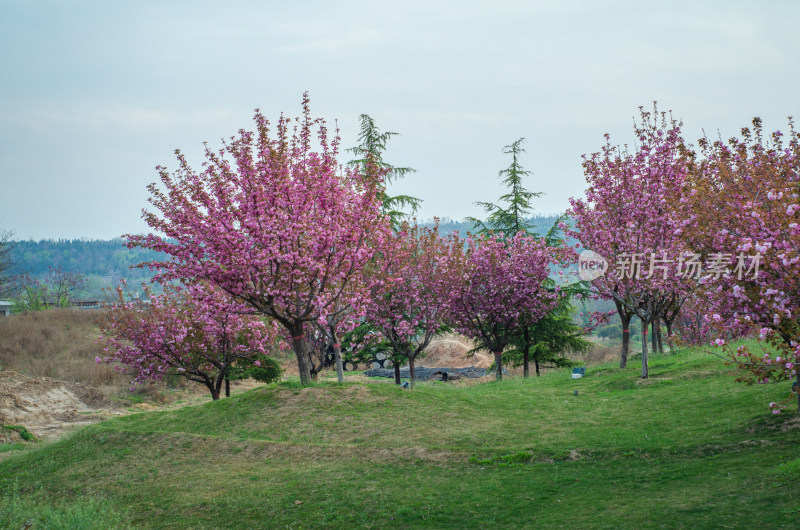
[{"x": 47, "y": 407}]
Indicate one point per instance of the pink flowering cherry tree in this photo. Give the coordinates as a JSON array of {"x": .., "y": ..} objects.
[
  {"x": 498, "y": 286},
  {"x": 273, "y": 220},
  {"x": 412, "y": 277},
  {"x": 754, "y": 184},
  {"x": 197, "y": 332},
  {"x": 634, "y": 216}
]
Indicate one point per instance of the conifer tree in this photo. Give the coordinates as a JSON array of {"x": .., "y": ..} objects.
[
  {"x": 515, "y": 217},
  {"x": 369, "y": 159}
]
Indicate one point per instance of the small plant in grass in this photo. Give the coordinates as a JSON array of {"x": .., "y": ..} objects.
[
  {"x": 23, "y": 432},
  {"x": 788, "y": 472}
]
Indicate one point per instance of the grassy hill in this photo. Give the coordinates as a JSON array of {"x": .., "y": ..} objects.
[{"x": 687, "y": 448}]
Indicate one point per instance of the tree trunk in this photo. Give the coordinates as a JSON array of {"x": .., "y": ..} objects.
[
  {"x": 536, "y": 364},
  {"x": 525, "y": 363},
  {"x": 396, "y": 372},
  {"x": 645, "y": 371},
  {"x": 301, "y": 353},
  {"x": 626, "y": 339},
  {"x": 227, "y": 387},
  {"x": 525, "y": 349},
  {"x": 412, "y": 376},
  {"x": 337, "y": 351},
  {"x": 668, "y": 324},
  {"x": 653, "y": 337},
  {"x": 797, "y": 378},
  {"x": 498, "y": 364},
  {"x": 625, "y": 318},
  {"x": 659, "y": 340}
]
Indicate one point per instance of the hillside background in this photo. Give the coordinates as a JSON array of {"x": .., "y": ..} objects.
[{"x": 105, "y": 262}]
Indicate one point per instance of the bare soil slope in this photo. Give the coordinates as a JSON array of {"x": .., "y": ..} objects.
[{"x": 48, "y": 407}]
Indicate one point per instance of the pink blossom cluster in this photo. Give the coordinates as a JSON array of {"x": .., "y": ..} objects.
[
  {"x": 197, "y": 332},
  {"x": 754, "y": 182},
  {"x": 635, "y": 205}
]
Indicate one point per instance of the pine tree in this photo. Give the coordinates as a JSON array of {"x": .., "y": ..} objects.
[
  {"x": 516, "y": 216},
  {"x": 370, "y": 161}
]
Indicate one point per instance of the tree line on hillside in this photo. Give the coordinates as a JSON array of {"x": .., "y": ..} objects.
[{"x": 86, "y": 257}]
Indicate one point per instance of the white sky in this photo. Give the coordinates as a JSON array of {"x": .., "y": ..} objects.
[{"x": 94, "y": 95}]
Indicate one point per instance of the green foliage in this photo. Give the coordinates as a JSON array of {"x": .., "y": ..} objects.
[
  {"x": 269, "y": 371},
  {"x": 614, "y": 331},
  {"x": 369, "y": 159},
  {"x": 23, "y": 432},
  {"x": 551, "y": 338},
  {"x": 362, "y": 346},
  {"x": 30, "y": 298},
  {"x": 102, "y": 263},
  {"x": 6, "y": 263}
]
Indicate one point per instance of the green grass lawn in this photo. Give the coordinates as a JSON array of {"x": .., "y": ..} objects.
[{"x": 686, "y": 448}]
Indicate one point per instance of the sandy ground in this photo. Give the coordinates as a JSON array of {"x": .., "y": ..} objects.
[
  {"x": 48, "y": 407},
  {"x": 451, "y": 351}
]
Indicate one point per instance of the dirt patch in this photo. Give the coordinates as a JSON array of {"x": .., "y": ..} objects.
[
  {"x": 451, "y": 351},
  {"x": 791, "y": 424},
  {"x": 48, "y": 407}
]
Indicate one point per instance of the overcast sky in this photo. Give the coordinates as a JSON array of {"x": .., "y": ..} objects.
[{"x": 94, "y": 95}]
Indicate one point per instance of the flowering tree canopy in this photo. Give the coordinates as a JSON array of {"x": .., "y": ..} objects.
[
  {"x": 754, "y": 185},
  {"x": 634, "y": 215},
  {"x": 410, "y": 292},
  {"x": 276, "y": 224},
  {"x": 497, "y": 287},
  {"x": 197, "y": 332}
]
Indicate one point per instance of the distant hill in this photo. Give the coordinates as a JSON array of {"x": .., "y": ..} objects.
[
  {"x": 106, "y": 262},
  {"x": 103, "y": 262},
  {"x": 541, "y": 223}
]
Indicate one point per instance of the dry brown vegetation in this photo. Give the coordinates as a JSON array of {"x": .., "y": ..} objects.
[
  {"x": 61, "y": 344},
  {"x": 601, "y": 353}
]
